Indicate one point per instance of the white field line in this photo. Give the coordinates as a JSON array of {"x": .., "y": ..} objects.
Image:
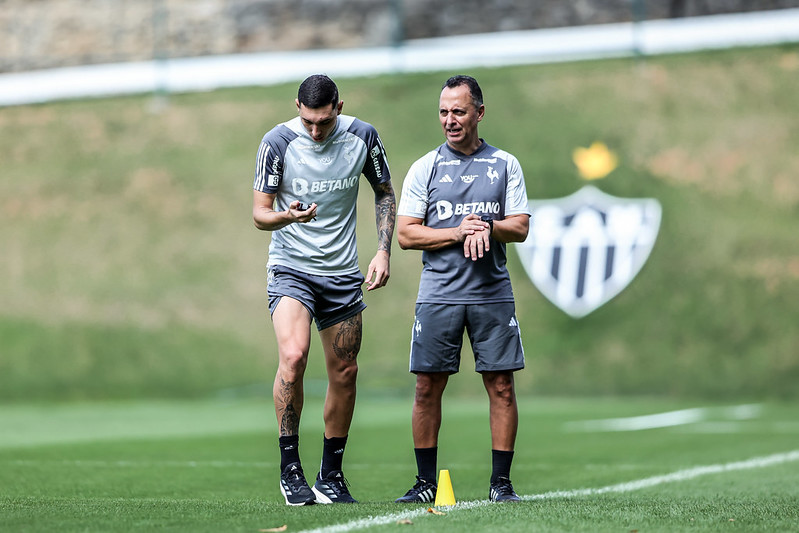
[
  {"x": 629, "y": 486},
  {"x": 662, "y": 420},
  {"x": 637, "y": 423}
]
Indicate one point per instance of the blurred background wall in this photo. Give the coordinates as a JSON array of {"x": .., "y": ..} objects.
[{"x": 38, "y": 34}]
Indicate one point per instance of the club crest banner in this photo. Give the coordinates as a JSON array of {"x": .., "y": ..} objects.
[{"x": 584, "y": 249}]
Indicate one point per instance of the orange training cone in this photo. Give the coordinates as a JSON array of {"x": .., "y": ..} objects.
[{"x": 444, "y": 494}]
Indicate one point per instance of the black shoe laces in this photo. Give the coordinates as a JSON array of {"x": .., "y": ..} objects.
[
  {"x": 338, "y": 483},
  {"x": 503, "y": 486},
  {"x": 420, "y": 486},
  {"x": 295, "y": 479}
]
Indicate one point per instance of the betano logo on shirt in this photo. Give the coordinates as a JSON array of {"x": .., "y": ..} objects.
[
  {"x": 446, "y": 209},
  {"x": 301, "y": 186}
]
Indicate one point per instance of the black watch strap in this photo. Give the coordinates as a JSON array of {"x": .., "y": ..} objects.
[{"x": 490, "y": 221}]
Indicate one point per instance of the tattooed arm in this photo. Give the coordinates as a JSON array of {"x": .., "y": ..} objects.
[{"x": 385, "y": 215}]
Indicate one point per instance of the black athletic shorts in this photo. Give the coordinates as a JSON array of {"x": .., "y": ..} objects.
[
  {"x": 329, "y": 299},
  {"x": 493, "y": 331}
]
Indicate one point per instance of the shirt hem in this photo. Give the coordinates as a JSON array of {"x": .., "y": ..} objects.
[
  {"x": 475, "y": 300},
  {"x": 314, "y": 272}
]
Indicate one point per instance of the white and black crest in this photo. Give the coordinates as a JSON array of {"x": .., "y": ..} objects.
[{"x": 584, "y": 249}]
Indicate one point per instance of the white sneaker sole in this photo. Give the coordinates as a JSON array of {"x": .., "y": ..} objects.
[
  {"x": 321, "y": 498},
  {"x": 283, "y": 492}
]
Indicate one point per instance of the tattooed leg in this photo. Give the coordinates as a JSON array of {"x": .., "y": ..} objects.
[
  {"x": 288, "y": 398},
  {"x": 291, "y": 322},
  {"x": 347, "y": 339},
  {"x": 341, "y": 342}
]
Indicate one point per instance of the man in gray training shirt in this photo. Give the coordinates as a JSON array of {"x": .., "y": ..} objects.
[
  {"x": 305, "y": 192},
  {"x": 460, "y": 204}
]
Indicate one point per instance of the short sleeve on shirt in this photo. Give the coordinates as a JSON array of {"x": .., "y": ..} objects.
[
  {"x": 269, "y": 162},
  {"x": 516, "y": 202},
  {"x": 413, "y": 201}
]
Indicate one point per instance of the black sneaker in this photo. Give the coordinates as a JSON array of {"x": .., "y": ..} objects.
[
  {"x": 423, "y": 492},
  {"x": 332, "y": 489},
  {"x": 294, "y": 487},
  {"x": 502, "y": 491}
]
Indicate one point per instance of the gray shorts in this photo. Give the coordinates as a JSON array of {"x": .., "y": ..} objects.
[
  {"x": 493, "y": 330},
  {"x": 329, "y": 299}
]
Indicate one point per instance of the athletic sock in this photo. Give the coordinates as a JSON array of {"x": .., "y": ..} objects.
[
  {"x": 332, "y": 454},
  {"x": 426, "y": 461},
  {"x": 500, "y": 464},
  {"x": 289, "y": 450}
]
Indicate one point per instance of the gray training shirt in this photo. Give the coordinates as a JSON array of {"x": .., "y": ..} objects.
[
  {"x": 294, "y": 167},
  {"x": 441, "y": 188}
]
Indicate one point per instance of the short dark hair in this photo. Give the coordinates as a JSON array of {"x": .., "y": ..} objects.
[
  {"x": 317, "y": 91},
  {"x": 471, "y": 83}
]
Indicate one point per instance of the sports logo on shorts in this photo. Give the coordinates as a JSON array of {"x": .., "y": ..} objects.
[{"x": 584, "y": 249}]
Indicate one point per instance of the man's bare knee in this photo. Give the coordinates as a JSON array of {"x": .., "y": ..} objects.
[
  {"x": 293, "y": 363},
  {"x": 344, "y": 375},
  {"x": 500, "y": 387},
  {"x": 429, "y": 388}
]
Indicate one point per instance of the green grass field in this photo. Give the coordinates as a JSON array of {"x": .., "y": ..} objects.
[
  {"x": 136, "y": 353},
  {"x": 212, "y": 466}
]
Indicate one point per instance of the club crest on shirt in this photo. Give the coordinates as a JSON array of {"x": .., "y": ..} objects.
[{"x": 584, "y": 249}]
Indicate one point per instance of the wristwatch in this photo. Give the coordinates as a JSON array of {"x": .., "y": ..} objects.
[{"x": 486, "y": 218}]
